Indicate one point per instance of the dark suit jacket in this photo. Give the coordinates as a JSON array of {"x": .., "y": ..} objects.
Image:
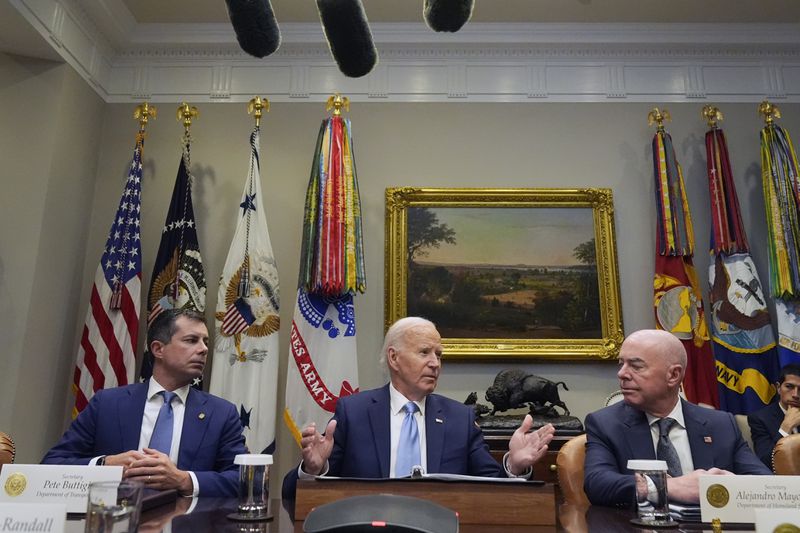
[
  {"x": 112, "y": 421},
  {"x": 361, "y": 442},
  {"x": 620, "y": 432},
  {"x": 764, "y": 426}
]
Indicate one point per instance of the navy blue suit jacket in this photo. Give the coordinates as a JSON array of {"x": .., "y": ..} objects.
[
  {"x": 361, "y": 442},
  {"x": 764, "y": 426},
  {"x": 620, "y": 432},
  {"x": 112, "y": 421}
]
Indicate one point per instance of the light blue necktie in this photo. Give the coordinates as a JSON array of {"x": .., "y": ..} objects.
[
  {"x": 161, "y": 439},
  {"x": 408, "y": 454}
]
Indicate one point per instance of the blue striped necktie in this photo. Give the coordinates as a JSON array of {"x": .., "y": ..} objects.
[
  {"x": 408, "y": 454},
  {"x": 161, "y": 439}
]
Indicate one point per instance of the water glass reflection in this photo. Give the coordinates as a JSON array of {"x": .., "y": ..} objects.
[{"x": 114, "y": 507}]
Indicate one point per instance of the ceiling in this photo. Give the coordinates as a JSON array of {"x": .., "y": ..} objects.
[{"x": 578, "y": 11}]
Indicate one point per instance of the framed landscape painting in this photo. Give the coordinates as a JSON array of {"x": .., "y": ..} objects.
[{"x": 506, "y": 273}]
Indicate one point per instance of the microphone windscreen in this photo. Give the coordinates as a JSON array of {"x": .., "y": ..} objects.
[
  {"x": 349, "y": 38},
  {"x": 255, "y": 26},
  {"x": 447, "y": 15}
]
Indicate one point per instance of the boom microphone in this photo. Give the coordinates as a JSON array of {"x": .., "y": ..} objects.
[
  {"x": 255, "y": 26},
  {"x": 447, "y": 15},
  {"x": 349, "y": 37}
]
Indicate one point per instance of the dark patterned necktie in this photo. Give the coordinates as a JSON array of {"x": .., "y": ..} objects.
[{"x": 665, "y": 451}]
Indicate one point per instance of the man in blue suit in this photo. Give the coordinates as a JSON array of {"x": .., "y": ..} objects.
[
  {"x": 187, "y": 444},
  {"x": 365, "y": 437},
  {"x": 779, "y": 419},
  {"x": 694, "y": 440}
]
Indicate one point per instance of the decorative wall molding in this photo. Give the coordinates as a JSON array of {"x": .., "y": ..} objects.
[{"x": 125, "y": 61}]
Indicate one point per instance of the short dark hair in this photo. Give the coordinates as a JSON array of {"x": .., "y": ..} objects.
[
  {"x": 163, "y": 326},
  {"x": 792, "y": 369}
]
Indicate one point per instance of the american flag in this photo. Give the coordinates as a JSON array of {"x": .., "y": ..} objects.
[
  {"x": 106, "y": 355},
  {"x": 238, "y": 317}
]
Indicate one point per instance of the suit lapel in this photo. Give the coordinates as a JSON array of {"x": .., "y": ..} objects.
[
  {"x": 130, "y": 412},
  {"x": 640, "y": 440},
  {"x": 700, "y": 441},
  {"x": 196, "y": 418},
  {"x": 434, "y": 432},
  {"x": 379, "y": 413}
]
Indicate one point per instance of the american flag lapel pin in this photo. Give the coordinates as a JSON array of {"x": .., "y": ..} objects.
[
  {"x": 439, "y": 421},
  {"x": 707, "y": 439},
  {"x": 201, "y": 416}
]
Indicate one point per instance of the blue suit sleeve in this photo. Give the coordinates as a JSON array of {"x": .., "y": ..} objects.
[
  {"x": 763, "y": 440},
  {"x": 602, "y": 481},
  {"x": 77, "y": 445}
]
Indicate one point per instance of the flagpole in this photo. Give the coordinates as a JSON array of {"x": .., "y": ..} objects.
[
  {"x": 712, "y": 115},
  {"x": 143, "y": 113},
  {"x": 256, "y": 107}
]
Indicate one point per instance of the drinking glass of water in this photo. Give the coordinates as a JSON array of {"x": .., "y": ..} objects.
[{"x": 114, "y": 507}]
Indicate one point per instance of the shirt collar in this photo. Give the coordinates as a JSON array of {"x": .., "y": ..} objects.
[
  {"x": 155, "y": 387},
  {"x": 676, "y": 414},
  {"x": 397, "y": 401}
]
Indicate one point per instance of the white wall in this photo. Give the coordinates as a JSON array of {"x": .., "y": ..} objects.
[
  {"x": 436, "y": 145},
  {"x": 48, "y": 141}
]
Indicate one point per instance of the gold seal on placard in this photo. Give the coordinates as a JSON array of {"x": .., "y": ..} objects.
[
  {"x": 717, "y": 495},
  {"x": 15, "y": 484},
  {"x": 786, "y": 528}
]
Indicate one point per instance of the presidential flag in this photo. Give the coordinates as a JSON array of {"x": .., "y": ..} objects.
[
  {"x": 245, "y": 364},
  {"x": 106, "y": 355},
  {"x": 781, "y": 182},
  {"x": 677, "y": 298},
  {"x": 178, "y": 279},
  {"x": 743, "y": 342},
  {"x": 323, "y": 363}
]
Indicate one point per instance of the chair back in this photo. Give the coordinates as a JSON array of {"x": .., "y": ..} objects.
[
  {"x": 744, "y": 427},
  {"x": 7, "y": 449},
  {"x": 570, "y": 470},
  {"x": 786, "y": 456}
]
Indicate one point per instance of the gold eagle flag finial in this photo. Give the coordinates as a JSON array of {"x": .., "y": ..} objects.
[
  {"x": 186, "y": 114},
  {"x": 658, "y": 116},
  {"x": 769, "y": 111},
  {"x": 337, "y": 102},
  {"x": 143, "y": 113},
  {"x": 712, "y": 115},
  {"x": 256, "y": 107}
]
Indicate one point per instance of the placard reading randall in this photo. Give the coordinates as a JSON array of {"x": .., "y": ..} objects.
[
  {"x": 44, "y": 518},
  {"x": 735, "y": 498},
  {"x": 53, "y": 484}
]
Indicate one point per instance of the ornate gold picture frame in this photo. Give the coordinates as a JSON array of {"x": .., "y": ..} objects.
[{"x": 506, "y": 273}]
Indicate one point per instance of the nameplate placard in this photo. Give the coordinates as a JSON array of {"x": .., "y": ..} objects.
[
  {"x": 781, "y": 520},
  {"x": 67, "y": 485},
  {"x": 44, "y": 518},
  {"x": 736, "y": 498}
]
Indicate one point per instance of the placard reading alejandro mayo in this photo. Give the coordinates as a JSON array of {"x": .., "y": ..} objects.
[
  {"x": 735, "y": 498},
  {"x": 53, "y": 483}
]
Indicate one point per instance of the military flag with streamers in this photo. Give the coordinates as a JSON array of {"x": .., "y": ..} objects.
[
  {"x": 781, "y": 183},
  {"x": 677, "y": 299},
  {"x": 323, "y": 363},
  {"x": 246, "y": 351},
  {"x": 178, "y": 277},
  {"x": 744, "y": 345},
  {"x": 107, "y": 351}
]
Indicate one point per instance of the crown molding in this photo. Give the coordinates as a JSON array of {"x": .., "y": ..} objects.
[{"x": 125, "y": 61}]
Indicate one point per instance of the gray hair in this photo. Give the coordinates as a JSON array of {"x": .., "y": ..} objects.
[{"x": 395, "y": 335}]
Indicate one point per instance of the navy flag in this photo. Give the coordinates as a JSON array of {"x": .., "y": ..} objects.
[
  {"x": 743, "y": 342},
  {"x": 178, "y": 278}
]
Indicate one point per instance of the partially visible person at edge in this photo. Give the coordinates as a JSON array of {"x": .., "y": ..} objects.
[
  {"x": 652, "y": 364},
  {"x": 362, "y": 438},
  {"x": 116, "y": 427},
  {"x": 778, "y": 419}
]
